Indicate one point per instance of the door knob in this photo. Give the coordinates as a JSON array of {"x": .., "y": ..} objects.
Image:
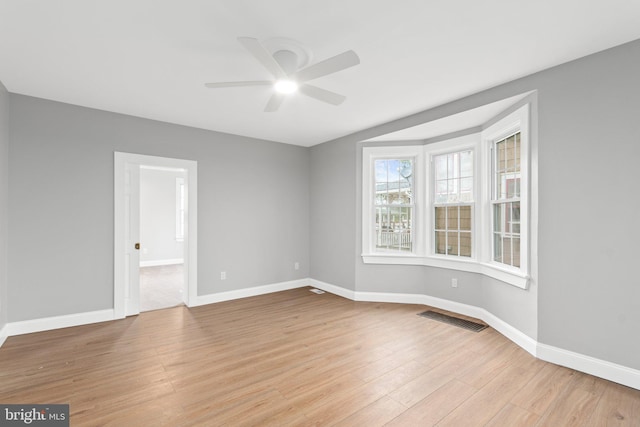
[{"x": 137, "y": 246}]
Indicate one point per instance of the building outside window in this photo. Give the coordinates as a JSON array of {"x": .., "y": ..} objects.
[
  {"x": 394, "y": 204},
  {"x": 506, "y": 200}
]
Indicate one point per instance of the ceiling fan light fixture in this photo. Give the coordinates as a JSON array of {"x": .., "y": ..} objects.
[{"x": 285, "y": 86}]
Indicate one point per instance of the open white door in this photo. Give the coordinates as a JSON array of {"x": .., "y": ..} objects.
[
  {"x": 132, "y": 238},
  {"x": 126, "y": 272}
]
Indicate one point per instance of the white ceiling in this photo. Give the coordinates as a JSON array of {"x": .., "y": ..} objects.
[
  {"x": 469, "y": 119},
  {"x": 151, "y": 58}
]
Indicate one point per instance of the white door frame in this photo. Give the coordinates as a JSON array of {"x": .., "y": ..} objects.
[{"x": 120, "y": 271}]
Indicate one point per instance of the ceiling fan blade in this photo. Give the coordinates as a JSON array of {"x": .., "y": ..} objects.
[
  {"x": 274, "y": 103},
  {"x": 328, "y": 66},
  {"x": 322, "y": 94},
  {"x": 238, "y": 84},
  {"x": 263, "y": 56}
]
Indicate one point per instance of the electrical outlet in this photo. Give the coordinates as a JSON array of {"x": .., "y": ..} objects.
[
  {"x": 296, "y": 265},
  {"x": 223, "y": 275},
  {"x": 454, "y": 283}
]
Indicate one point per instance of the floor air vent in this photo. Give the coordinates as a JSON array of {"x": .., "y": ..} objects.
[{"x": 462, "y": 323}]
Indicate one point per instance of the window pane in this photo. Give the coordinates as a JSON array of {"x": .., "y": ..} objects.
[
  {"x": 515, "y": 217},
  {"x": 381, "y": 170},
  {"x": 506, "y": 227},
  {"x": 517, "y": 152},
  {"x": 441, "y": 191},
  {"x": 465, "y": 218},
  {"x": 441, "y": 167},
  {"x": 452, "y": 190},
  {"x": 393, "y": 228},
  {"x": 506, "y": 251},
  {"x": 381, "y": 198},
  {"x": 452, "y": 218},
  {"x": 452, "y": 243},
  {"x": 516, "y": 251},
  {"x": 466, "y": 190},
  {"x": 507, "y": 168},
  {"x": 497, "y": 217},
  {"x": 501, "y": 163},
  {"x": 441, "y": 221},
  {"x": 465, "y": 244},
  {"x": 441, "y": 242},
  {"x": 393, "y": 184},
  {"x": 466, "y": 164},
  {"x": 456, "y": 171},
  {"x": 497, "y": 247}
]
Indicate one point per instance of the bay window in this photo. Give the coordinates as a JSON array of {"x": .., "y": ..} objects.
[{"x": 461, "y": 203}]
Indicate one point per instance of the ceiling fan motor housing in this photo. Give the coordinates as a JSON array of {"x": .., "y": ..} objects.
[{"x": 288, "y": 60}]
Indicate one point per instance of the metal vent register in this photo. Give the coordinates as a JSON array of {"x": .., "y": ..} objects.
[{"x": 461, "y": 323}]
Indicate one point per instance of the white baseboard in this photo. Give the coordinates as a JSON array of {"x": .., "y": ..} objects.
[
  {"x": 590, "y": 365},
  {"x": 4, "y": 334},
  {"x": 600, "y": 368},
  {"x": 158, "y": 262},
  {"x": 333, "y": 289},
  {"x": 521, "y": 339},
  {"x": 57, "y": 322},
  {"x": 249, "y": 292}
]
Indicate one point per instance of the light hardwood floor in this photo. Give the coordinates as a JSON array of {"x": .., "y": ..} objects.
[{"x": 300, "y": 359}]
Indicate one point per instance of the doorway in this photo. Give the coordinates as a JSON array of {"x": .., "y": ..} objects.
[
  {"x": 128, "y": 246},
  {"x": 162, "y": 226}
]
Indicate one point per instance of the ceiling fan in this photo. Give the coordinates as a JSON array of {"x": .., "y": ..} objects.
[{"x": 283, "y": 66}]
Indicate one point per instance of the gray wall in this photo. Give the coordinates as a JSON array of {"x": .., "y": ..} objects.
[
  {"x": 4, "y": 200},
  {"x": 586, "y": 297},
  {"x": 333, "y": 219},
  {"x": 589, "y": 204},
  {"x": 253, "y": 205},
  {"x": 158, "y": 215},
  {"x": 260, "y": 202}
]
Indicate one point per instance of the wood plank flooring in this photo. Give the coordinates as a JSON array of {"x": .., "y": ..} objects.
[{"x": 295, "y": 358}]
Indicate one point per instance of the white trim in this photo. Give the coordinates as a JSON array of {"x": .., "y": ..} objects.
[
  {"x": 158, "y": 262},
  {"x": 58, "y": 322},
  {"x": 4, "y": 334},
  {"x": 521, "y": 339},
  {"x": 336, "y": 290},
  {"x": 590, "y": 365},
  {"x": 249, "y": 292},
  {"x": 180, "y": 208},
  {"x": 601, "y": 368}
]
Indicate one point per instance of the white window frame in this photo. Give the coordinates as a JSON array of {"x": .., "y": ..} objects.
[
  {"x": 370, "y": 155},
  {"x": 518, "y": 121},
  {"x": 467, "y": 142},
  {"x": 423, "y": 252}
]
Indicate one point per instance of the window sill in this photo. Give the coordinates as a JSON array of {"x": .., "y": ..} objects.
[{"x": 505, "y": 275}]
